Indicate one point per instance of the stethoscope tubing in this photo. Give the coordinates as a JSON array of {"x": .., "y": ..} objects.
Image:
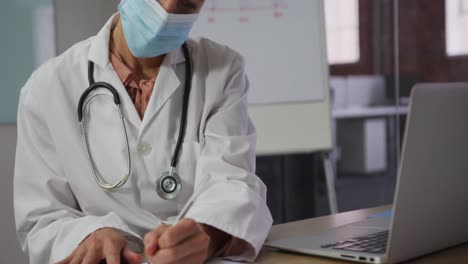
[
  {"x": 183, "y": 122},
  {"x": 185, "y": 104},
  {"x": 82, "y": 120}
]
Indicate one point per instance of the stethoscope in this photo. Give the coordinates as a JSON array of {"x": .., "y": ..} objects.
[{"x": 168, "y": 184}]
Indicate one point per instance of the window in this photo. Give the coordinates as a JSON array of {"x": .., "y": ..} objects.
[
  {"x": 456, "y": 23},
  {"x": 342, "y": 27}
]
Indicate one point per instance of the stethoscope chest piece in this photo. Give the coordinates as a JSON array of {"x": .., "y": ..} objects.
[{"x": 168, "y": 185}]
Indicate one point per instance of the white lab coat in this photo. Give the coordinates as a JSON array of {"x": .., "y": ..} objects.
[{"x": 57, "y": 201}]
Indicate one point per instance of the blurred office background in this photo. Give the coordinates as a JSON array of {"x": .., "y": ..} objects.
[{"x": 377, "y": 50}]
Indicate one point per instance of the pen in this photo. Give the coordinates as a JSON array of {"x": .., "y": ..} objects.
[
  {"x": 184, "y": 210},
  {"x": 181, "y": 215},
  {"x": 186, "y": 207}
]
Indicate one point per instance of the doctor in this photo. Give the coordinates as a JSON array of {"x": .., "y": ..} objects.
[{"x": 63, "y": 212}]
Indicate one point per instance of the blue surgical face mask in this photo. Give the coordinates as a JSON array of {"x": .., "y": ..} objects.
[{"x": 150, "y": 30}]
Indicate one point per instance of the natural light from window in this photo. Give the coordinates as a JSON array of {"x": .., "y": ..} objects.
[
  {"x": 342, "y": 25},
  {"x": 456, "y": 23}
]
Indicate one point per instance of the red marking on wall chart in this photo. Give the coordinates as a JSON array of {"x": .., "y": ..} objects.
[{"x": 244, "y": 8}]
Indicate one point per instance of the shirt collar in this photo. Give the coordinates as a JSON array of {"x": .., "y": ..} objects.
[{"x": 99, "y": 50}]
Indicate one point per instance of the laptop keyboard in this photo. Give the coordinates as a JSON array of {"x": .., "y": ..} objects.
[{"x": 374, "y": 243}]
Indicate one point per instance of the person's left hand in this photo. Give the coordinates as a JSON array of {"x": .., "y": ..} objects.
[{"x": 185, "y": 242}]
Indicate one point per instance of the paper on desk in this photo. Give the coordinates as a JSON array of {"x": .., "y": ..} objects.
[
  {"x": 214, "y": 261},
  {"x": 221, "y": 261}
]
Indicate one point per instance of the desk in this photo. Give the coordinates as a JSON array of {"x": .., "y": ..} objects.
[{"x": 457, "y": 255}]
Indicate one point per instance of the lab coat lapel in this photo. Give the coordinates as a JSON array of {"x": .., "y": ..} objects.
[
  {"x": 104, "y": 72},
  {"x": 167, "y": 82}
]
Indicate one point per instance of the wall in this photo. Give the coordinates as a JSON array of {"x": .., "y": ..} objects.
[
  {"x": 16, "y": 53},
  {"x": 422, "y": 50},
  {"x": 364, "y": 65},
  {"x": 422, "y": 43},
  {"x": 73, "y": 11},
  {"x": 10, "y": 248}
]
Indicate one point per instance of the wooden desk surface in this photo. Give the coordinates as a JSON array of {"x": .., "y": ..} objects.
[{"x": 457, "y": 255}]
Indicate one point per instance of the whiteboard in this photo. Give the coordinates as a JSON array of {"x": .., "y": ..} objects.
[
  {"x": 283, "y": 44},
  {"x": 265, "y": 32}
]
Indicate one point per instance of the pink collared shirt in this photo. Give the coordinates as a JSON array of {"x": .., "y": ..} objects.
[{"x": 138, "y": 90}]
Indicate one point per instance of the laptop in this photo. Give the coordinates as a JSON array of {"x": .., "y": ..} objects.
[{"x": 430, "y": 209}]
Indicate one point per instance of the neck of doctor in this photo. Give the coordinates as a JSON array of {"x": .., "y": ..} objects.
[{"x": 143, "y": 68}]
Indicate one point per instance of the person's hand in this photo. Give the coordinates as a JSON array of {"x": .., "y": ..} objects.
[
  {"x": 103, "y": 244},
  {"x": 185, "y": 242}
]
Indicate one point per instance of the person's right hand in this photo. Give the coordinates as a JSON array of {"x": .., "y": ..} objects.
[{"x": 103, "y": 244}]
